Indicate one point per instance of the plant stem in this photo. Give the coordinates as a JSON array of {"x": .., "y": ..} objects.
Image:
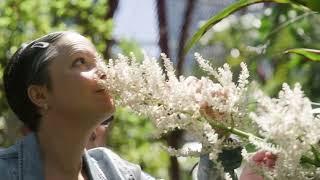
[{"x": 234, "y": 131}]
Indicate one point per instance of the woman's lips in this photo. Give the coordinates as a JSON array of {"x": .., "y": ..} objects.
[{"x": 100, "y": 90}]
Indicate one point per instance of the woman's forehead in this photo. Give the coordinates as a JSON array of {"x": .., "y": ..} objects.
[{"x": 73, "y": 43}]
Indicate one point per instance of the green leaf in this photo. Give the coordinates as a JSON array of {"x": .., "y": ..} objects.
[
  {"x": 312, "y": 54},
  {"x": 311, "y": 4},
  {"x": 251, "y": 148},
  {"x": 316, "y": 154},
  {"x": 314, "y": 5},
  {"x": 221, "y": 15}
]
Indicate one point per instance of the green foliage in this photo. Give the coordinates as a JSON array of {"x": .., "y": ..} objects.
[
  {"x": 130, "y": 46},
  {"x": 238, "y": 5},
  {"x": 260, "y": 39},
  {"x": 132, "y": 137}
]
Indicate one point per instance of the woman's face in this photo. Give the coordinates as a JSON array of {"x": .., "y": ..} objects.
[{"x": 75, "y": 92}]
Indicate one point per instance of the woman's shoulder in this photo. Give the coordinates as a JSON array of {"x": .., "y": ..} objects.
[
  {"x": 10, "y": 152},
  {"x": 101, "y": 152},
  {"x": 9, "y": 162},
  {"x": 106, "y": 158}
]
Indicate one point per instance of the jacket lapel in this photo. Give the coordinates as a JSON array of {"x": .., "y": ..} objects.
[{"x": 92, "y": 169}]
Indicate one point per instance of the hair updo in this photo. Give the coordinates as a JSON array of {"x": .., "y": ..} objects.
[{"x": 29, "y": 66}]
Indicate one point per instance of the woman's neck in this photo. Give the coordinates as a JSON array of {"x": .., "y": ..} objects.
[{"x": 62, "y": 146}]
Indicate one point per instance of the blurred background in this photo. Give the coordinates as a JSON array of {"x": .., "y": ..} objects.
[{"x": 257, "y": 35}]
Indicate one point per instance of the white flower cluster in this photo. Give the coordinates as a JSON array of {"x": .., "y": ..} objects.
[
  {"x": 178, "y": 102},
  {"x": 226, "y": 98},
  {"x": 208, "y": 107},
  {"x": 289, "y": 123}
]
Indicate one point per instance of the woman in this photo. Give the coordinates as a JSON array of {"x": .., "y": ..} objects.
[{"x": 51, "y": 85}]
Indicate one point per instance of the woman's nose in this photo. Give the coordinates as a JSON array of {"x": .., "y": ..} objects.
[{"x": 101, "y": 74}]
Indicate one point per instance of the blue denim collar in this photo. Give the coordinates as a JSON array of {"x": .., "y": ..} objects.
[
  {"x": 92, "y": 169},
  {"x": 30, "y": 165},
  {"x": 29, "y": 160}
]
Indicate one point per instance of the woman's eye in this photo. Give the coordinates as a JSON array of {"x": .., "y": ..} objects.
[{"x": 79, "y": 62}]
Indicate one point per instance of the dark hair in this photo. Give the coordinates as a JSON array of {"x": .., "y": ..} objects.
[{"x": 29, "y": 66}]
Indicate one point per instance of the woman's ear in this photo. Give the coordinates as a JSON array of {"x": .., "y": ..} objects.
[{"x": 38, "y": 95}]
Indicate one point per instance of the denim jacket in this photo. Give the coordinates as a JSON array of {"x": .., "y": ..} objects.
[{"x": 22, "y": 162}]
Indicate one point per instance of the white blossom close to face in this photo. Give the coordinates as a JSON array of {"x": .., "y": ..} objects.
[
  {"x": 175, "y": 102},
  {"x": 289, "y": 123}
]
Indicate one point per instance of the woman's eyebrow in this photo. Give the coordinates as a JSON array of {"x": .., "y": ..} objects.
[{"x": 81, "y": 51}]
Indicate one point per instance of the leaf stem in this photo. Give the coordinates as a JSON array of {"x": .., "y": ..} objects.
[{"x": 232, "y": 130}]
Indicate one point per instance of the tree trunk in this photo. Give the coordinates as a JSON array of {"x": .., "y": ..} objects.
[
  {"x": 173, "y": 138},
  {"x": 112, "y": 8},
  {"x": 163, "y": 28},
  {"x": 184, "y": 35}
]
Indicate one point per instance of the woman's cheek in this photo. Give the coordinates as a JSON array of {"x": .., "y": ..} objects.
[
  {"x": 91, "y": 72},
  {"x": 89, "y": 76}
]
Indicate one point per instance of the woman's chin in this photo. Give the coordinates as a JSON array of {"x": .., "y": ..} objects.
[{"x": 107, "y": 109}]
